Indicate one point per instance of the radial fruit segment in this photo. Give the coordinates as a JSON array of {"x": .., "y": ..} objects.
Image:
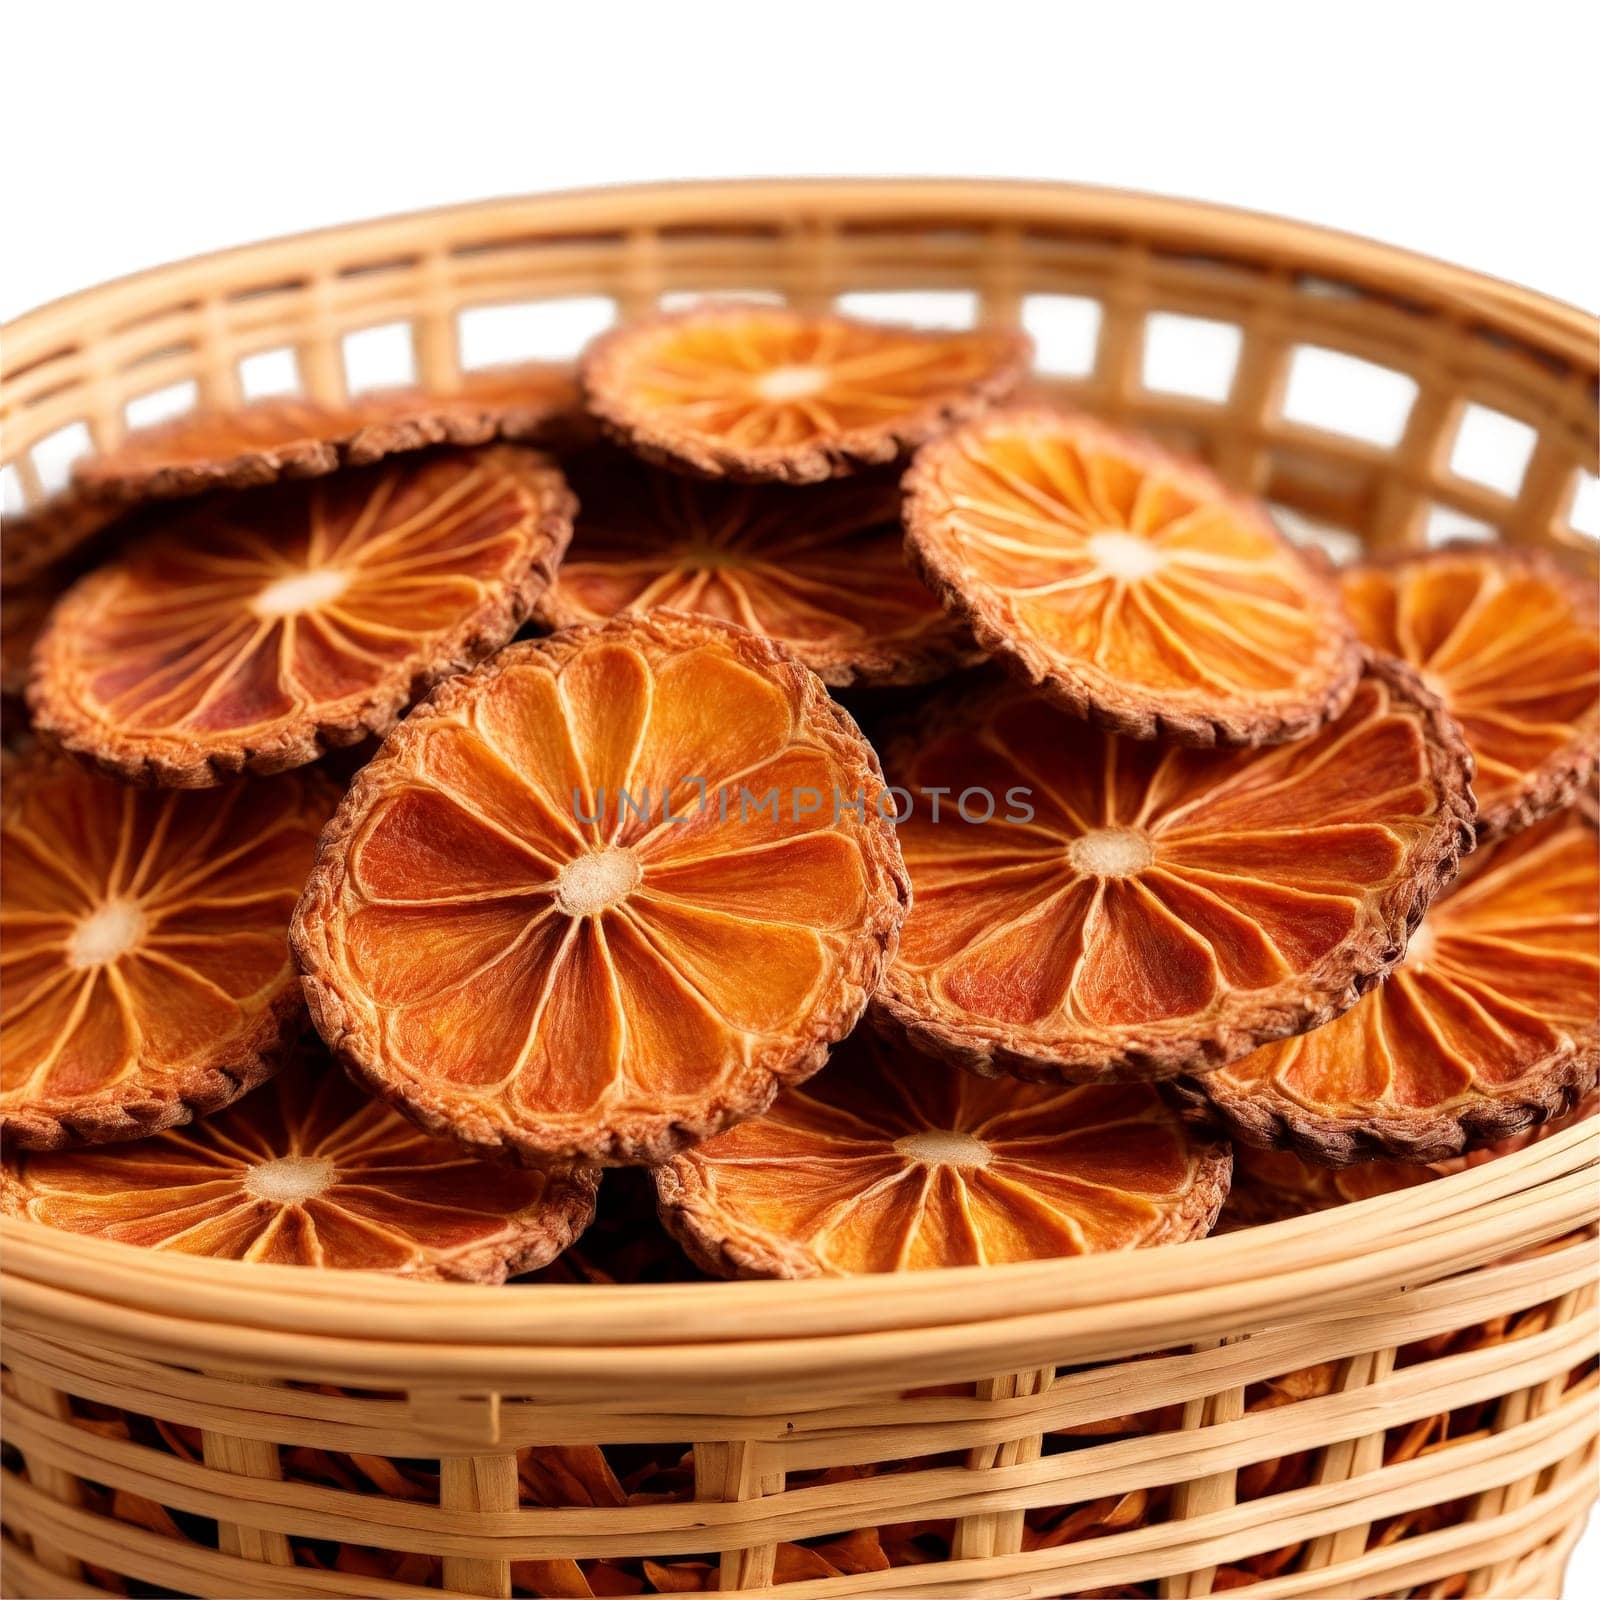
[
  {"x": 145, "y": 974},
  {"x": 597, "y": 899},
  {"x": 759, "y": 392},
  {"x": 1511, "y": 644},
  {"x": 1491, "y": 1023},
  {"x": 821, "y": 569},
  {"x": 309, "y": 1172},
  {"x": 252, "y": 632},
  {"x": 1093, "y": 906},
  {"x": 1129, "y": 585},
  {"x": 1269, "y": 1185},
  {"x": 890, "y": 1161}
]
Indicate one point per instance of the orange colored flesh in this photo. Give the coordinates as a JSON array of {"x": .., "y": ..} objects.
[
  {"x": 891, "y": 1161},
  {"x": 1163, "y": 905},
  {"x": 508, "y": 946},
  {"x": 1512, "y": 647},
  {"x": 254, "y": 621},
  {"x": 749, "y": 391},
  {"x": 145, "y": 954},
  {"x": 308, "y": 1172},
  {"x": 1494, "y": 1011},
  {"x": 1129, "y": 584},
  {"x": 821, "y": 569}
]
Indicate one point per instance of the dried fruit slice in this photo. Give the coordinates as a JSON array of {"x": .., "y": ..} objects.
[
  {"x": 252, "y": 632},
  {"x": 891, "y": 1162},
  {"x": 821, "y": 570},
  {"x": 290, "y": 436},
  {"x": 1511, "y": 644},
  {"x": 1491, "y": 1024},
  {"x": 1130, "y": 586},
  {"x": 766, "y": 393},
  {"x": 145, "y": 976},
  {"x": 1096, "y": 907},
  {"x": 1269, "y": 1185},
  {"x": 310, "y": 1172},
  {"x": 293, "y": 436},
  {"x": 509, "y": 936}
]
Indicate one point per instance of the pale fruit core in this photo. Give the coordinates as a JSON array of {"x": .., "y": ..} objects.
[
  {"x": 300, "y": 591},
  {"x": 939, "y": 1148},
  {"x": 1123, "y": 556},
  {"x": 105, "y": 934},
  {"x": 1421, "y": 947},
  {"x": 790, "y": 383},
  {"x": 290, "y": 1179},
  {"x": 1112, "y": 852},
  {"x": 593, "y": 882}
]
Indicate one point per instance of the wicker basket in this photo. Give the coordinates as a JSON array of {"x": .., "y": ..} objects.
[{"x": 959, "y": 1386}]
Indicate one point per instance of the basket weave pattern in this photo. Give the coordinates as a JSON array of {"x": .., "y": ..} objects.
[{"x": 956, "y": 1387}]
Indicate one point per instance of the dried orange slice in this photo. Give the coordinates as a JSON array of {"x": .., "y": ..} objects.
[
  {"x": 1095, "y": 906},
  {"x": 1490, "y": 1025},
  {"x": 509, "y": 935},
  {"x": 1511, "y": 643},
  {"x": 42, "y": 537},
  {"x": 145, "y": 975},
  {"x": 253, "y": 632},
  {"x": 293, "y": 436},
  {"x": 820, "y": 569},
  {"x": 767, "y": 393},
  {"x": 1269, "y": 1185},
  {"x": 890, "y": 1162},
  {"x": 310, "y": 1172},
  {"x": 1130, "y": 586}
]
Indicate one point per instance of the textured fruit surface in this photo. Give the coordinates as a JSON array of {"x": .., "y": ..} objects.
[
  {"x": 758, "y": 392},
  {"x": 1163, "y": 908},
  {"x": 1128, "y": 584},
  {"x": 253, "y": 631},
  {"x": 508, "y": 934},
  {"x": 145, "y": 972},
  {"x": 1269, "y": 1185},
  {"x": 294, "y": 436},
  {"x": 310, "y": 1172},
  {"x": 820, "y": 569},
  {"x": 1492, "y": 1021},
  {"x": 892, "y": 1161},
  {"x": 1511, "y": 644}
]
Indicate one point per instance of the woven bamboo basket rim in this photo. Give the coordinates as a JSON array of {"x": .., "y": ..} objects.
[
  {"x": 652, "y": 1336},
  {"x": 1201, "y": 226}
]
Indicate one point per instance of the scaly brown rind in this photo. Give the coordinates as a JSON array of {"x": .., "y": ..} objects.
[
  {"x": 35, "y": 540},
  {"x": 1085, "y": 690},
  {"x": 347, "y": 1022},
  {"x": 869, "y": 665},
  {"x": 1557, "y": 781},
  {"x": 550, "y": 1225},
  {"x": 603, "y": 378},
  {"x": 170, "y": 762},
  {"x": 901, "y": 1010},
  {"x": 366, "y": 429},
  {"x": 728, "y": 1248},
  {"x": 543, "y": 1229},
  {"x": 1267, "y": 1119},
  {"x": 135, "y": 1111}
]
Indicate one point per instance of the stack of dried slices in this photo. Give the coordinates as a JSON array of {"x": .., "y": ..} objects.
[{"x": 1170, "y": 842}]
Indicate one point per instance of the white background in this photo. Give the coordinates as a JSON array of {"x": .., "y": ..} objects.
[{"x": 135, "y": 133}]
